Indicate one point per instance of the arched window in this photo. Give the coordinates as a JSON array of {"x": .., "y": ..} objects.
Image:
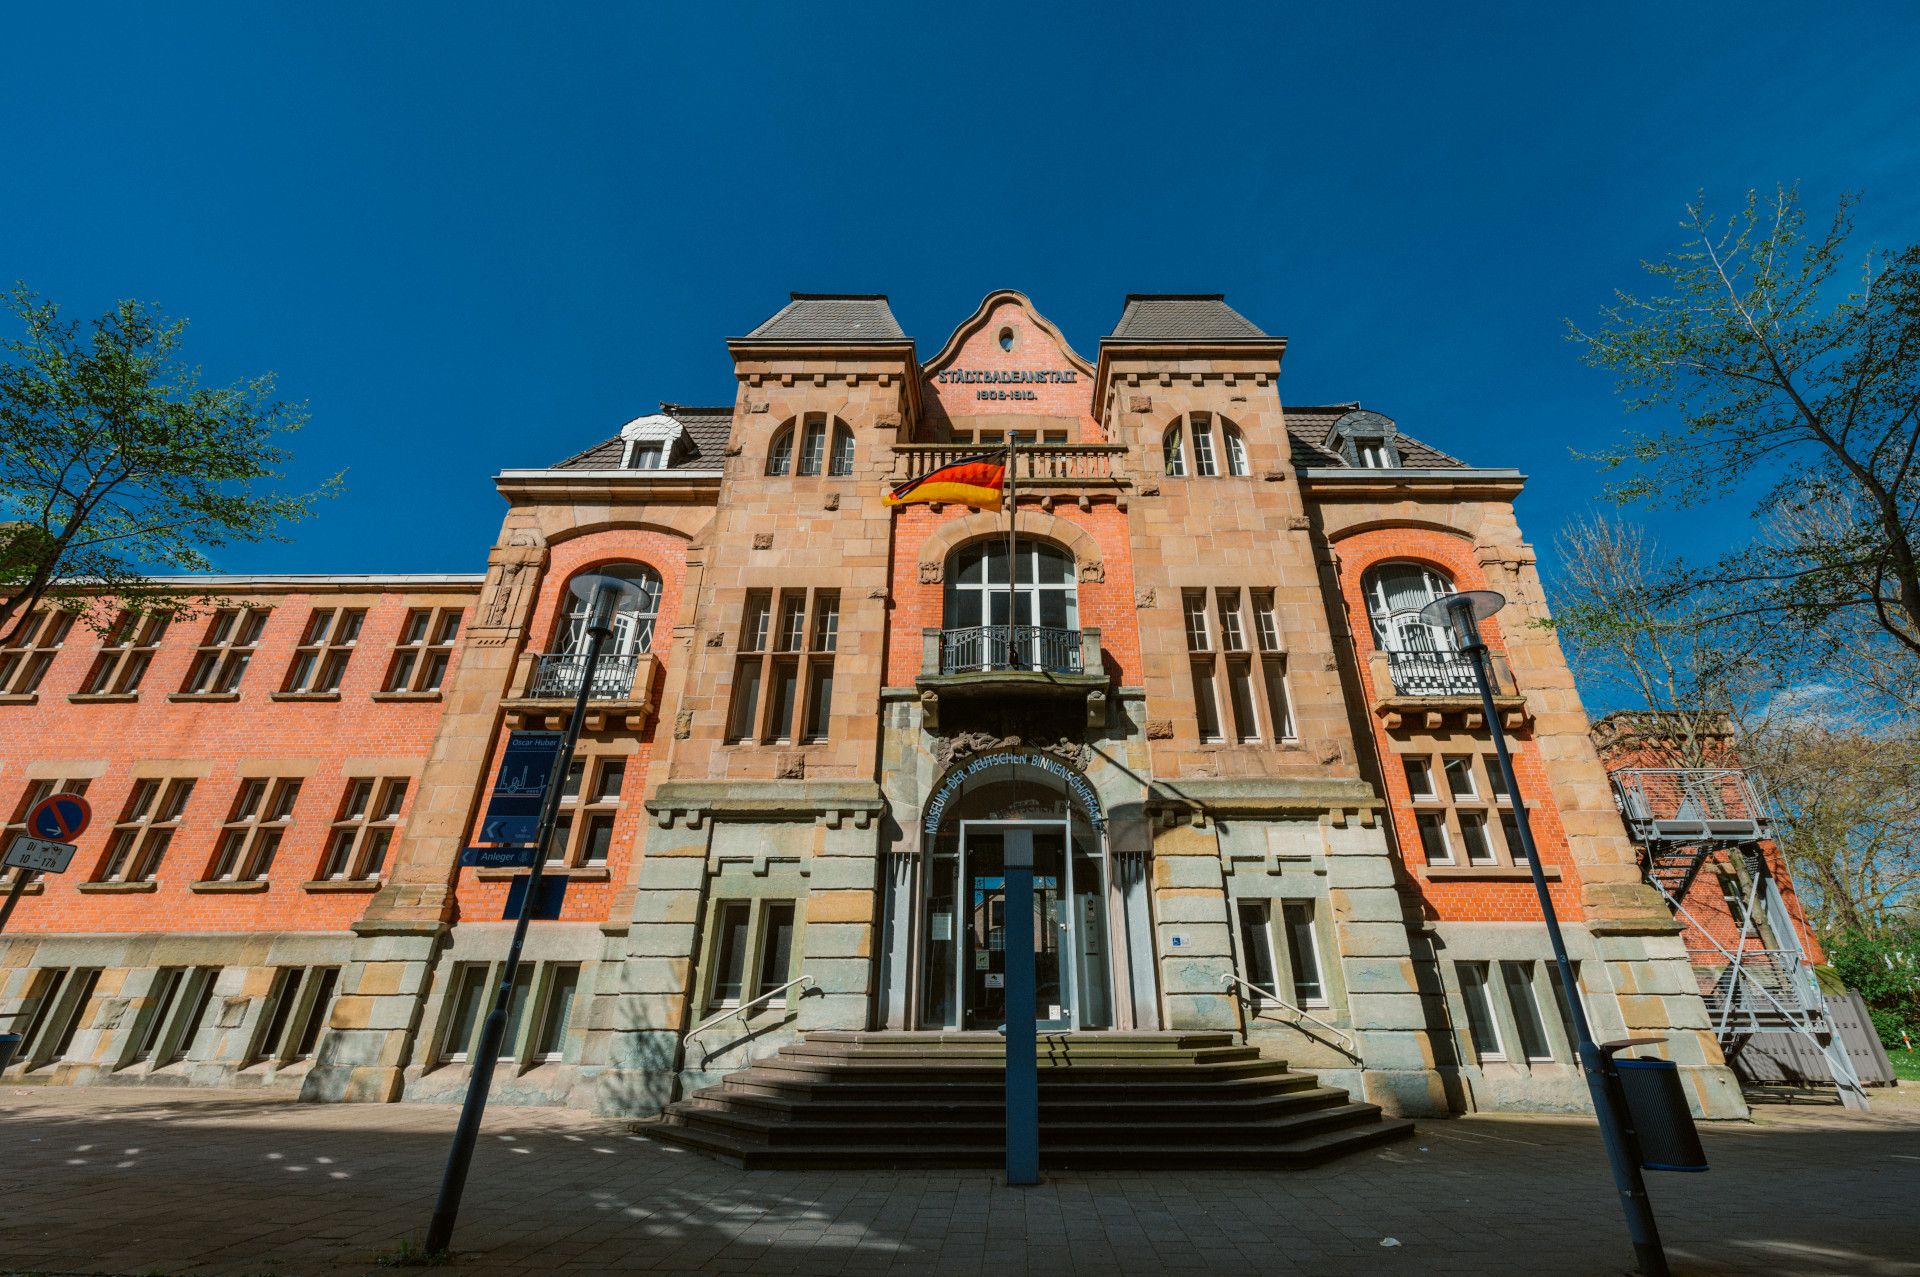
[
  {"x": 1190, "y": 447},
  {"x": 632, "y": 623},
  {"x": 1395, "y": 594},
  {"x": 809, "y": 436},
  {"x": 1046, "y": 614}
]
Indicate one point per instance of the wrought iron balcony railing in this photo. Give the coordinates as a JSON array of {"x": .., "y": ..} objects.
[
  {"x": 1432, "y": 673},
  {"x": 1038, "y": 648},
  {"x": 557, "y": 677}
]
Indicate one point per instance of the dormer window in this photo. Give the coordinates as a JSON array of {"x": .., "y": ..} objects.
[
  {"x": 1366, "y": 441},
  {"x": 648, "y": 456},
  {"x": 650, "y": 442}
]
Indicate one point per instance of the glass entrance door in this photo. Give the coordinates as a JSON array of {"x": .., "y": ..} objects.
[{"x": 983, "y": 960}]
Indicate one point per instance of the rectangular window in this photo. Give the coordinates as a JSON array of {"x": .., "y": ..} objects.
[
  {"x": 145, "y": 829},
  {"x": 1460, "y": 776},
  {"x": 746, "y": 699},
  {"x": 1256, "y": 945},
  {"x": 261, "y": 814},
  {"x": 1473, "y": 835},
  {"x": 1206, "y": 713},
  {"x": 1246, "y": 722},
  {"x": 1233, "y": 637},
  {"x": 649, "y": 456},
  {"x": 793, "y": 620},
  {"x": 819, "y": 699},
  {"x": 776, "y": 949},
  {"x": 1483, "y": 1029},
  {"x": 813, "y": 447},
  {"x": 1279, "y": 704},
  {"x": 1510, "y": 830},
  {"x": 24, "y": 662},
  {"x": 71, "y": 1015},
  {"x": 1433, "y": 837},
  {"x": 156, "y": 1012},
  {"x": 589, "y": 806},
  {"x": 467, "y": 998},
  {"x": 320, "y": 662},
  {"x": 1203, "y": 459},
  {"x": 562, "y": 986},
  {"x": 58, "y": 1000},
  {"x": 517, "y": 998},
  {"x": 753, "y": 629},
  {"x": 1560, "y": 998},
  {"x": 125, "y": 653},
  {"x": 780, "y": 700},
  {"x": 1303, "y": 951},
  {"x": 300, "y": 1003},
  {"x": 1266, "y": 624},
  {"x": 1194, "y": 602},
  {"x": 225, "y": 651},
  {"x": 425, "y": 648},
  {"x": 1496, "y": 783},
  {"x": 1419, "y": 778},
  {"x": 1518, "y": 979},
  {"x": 826, "y": 621},
  {"x": 363, "y": 831},
  {"x": 729, "y": 954}
]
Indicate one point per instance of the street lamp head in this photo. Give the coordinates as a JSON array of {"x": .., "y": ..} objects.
[
  {"x": 1462, "y": 613},
  {"x": 603, "y": 595}
]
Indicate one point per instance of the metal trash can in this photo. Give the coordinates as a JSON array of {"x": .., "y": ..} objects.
[
  {"x": 9, "y": 1047},
  {"x": 1662, "y": 1122}
]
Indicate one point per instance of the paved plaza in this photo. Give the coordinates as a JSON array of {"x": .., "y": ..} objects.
[{"x": 137, "y": 1181}]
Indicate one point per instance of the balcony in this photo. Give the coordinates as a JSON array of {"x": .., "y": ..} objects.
[
  {"x": 1427, "y": 689},
  {"x": 1692, "y": 804},
  {"x": 1070, "y": 471},
  {"x": 1000, "y": 661},
  {"x": 621, "y": 694}
]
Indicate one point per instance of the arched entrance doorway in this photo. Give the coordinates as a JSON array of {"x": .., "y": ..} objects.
[{"x": 961, "y": 906}]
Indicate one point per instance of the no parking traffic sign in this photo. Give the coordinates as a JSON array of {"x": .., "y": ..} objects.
[{"x": 59, "y": 817}]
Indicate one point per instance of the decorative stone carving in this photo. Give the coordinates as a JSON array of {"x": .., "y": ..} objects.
[
  {"x": 1146, "y": 597},
  {"x": 1149, "y": 489},
  {"x": 1094, "y": 571},
  {"x": 1139, "y": 403},
  {"x": 951, "y": 749},
  {"x": 1328, "y": 751},
  {"x": 683, "y": 724},
  {"x": 717, "y": 639},
  {"x": 931, "y": 573},
  {"x": 833, "y": 501},
  {"x": 734, "y": 449},
  {"x": 1299, "y": 523},
  {"x": 792, "y": 767},
  {"x": 891, "y": 421},
  {"x": 500, "y": 602},
  {"x": 1159, "y": 729},
  {"x": 877, "y": 592},
  {"x": 763, "y": 540},
  {"x": 757, "y": 405}
]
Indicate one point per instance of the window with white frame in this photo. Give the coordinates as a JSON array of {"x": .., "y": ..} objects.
[
  {"x": 1483, "y": 1024},
  {"x": 1395, "y": 594},
  {"x": 1461, "y": 805},
  {"x": 589, "y": 807},
  {"x": 750, "y": 952},
  {"x": 1197, "y": 444},
  {"x": 24, "y": 661},
  {"x": 145, "y": 829},
  {"x": 299, "y": 1004},
  {"x": 225, "y": 651},
  {"x": 363, "y": 831},
  {"x": 1249, "y": 680},
  {"x": 125, "y": 652},
  {"x": 540, "y": 1010},
  {"x": 1271, "y": 930},
  {"x": 326, "y": 645},
  {"x": 786, "y": 648},
  {"x": 1523, "y": 1000},
  {"x": 634, "y": 615},
  {"x": 176, "y": 1012},
  {"x": 54, "y": 1012},
  {"x": 811, "y": 445},
  {"x": 257, "y": 824},
  {"x": 420, "y": 658}
]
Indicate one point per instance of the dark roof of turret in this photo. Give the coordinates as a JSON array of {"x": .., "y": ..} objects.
[
  {"x": 1182, "y": 317},
  {"x": 831, "y": 317}
]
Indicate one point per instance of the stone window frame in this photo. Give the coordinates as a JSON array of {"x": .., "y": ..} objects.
[
  {"x": 326, "y": 648},
  {"x": 358, "y": 832},
  {"x": 1552, "y": 1016},
  {"x": 306, "y": 995},
  {"x": 155, "y": 809},
  {"x": 25, "y": 661},
  {"x": 1489, "y": 802},
  {"x": 755, "y": 982},
  {"x": 792, "y": 453},
  {"x": 526, "y": 1027},
  {"x": 35, "y": 791},
  {"x": 125, "y": 652},
  {"x": 1276, "y": 935},
  {"x": 172, "y": 1013},
  {"x": 1222, "y": 657},
  {"x": 770, "y": 652},
  {"x": 1184, "y": 455},
  {"x": 423, "y": 653},
  {"x": 254, "y": 831},
  {"x": 59, "y": 998},
  {"x": 224, "y": 652},
  {"x": 583, "y": 806}
]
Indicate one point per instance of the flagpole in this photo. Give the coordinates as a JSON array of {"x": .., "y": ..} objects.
[{"x": 1013, "y": 556}]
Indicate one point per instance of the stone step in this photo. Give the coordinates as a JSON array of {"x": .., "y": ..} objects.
[
  {"x": 1046, "y": 1054},
  {"x": 992, "y": 1087},
  {"x": 905, "y": 1068},
  {"x": 817, "y": 1109}
]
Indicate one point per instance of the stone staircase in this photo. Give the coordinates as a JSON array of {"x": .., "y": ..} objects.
[{"x": 838, "y": 1099}]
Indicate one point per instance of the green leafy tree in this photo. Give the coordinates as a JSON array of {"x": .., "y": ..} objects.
[
  {"x": 1885, "y": 968},
  {"x": 1778, "y": 369},
  {"x": 115, "y": 462}
]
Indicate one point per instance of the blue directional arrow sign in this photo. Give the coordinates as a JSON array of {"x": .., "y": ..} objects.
[
  {"x": 498, "y": 857},
  {"x": 526, "y": 764}
]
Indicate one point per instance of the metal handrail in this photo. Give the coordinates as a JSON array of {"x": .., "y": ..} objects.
[
  {"x": 712, "y": 1020},
  {"x": 1042, "y": 649},
  {"x": 1419, "y": 673},
  {"x": 1342, "y": 1038}
]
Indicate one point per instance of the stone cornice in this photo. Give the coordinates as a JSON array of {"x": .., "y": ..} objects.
[
  {"x": 661, "y": 487},
  {"x": 1331, "y": 483}
]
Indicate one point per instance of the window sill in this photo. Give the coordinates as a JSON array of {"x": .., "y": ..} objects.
[
  {"x": 342, "y": 884},
  {"x": 20, "y": 698},
  {"x": 1496, "y": 873},
  {"x": 212, "y": 697},
  {"x": 579, "y": 873},
  {"x": 241, "y": 886},
  {"x": 102, "y": 698},
  {"x": 303, "y": 696},
  {"x": 34, "y": 888},
  {"x": 406, "y": 696},
  {"x": 116, "y": 888}
]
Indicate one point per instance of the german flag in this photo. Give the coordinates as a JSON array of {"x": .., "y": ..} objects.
[{"x": 975, "y": 481}]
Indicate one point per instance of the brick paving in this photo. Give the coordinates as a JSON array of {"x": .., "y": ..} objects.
[{"x": 138, "y": 1181}]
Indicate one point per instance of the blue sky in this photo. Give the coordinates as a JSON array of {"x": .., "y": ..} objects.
[{"x": 475, "y": 237}]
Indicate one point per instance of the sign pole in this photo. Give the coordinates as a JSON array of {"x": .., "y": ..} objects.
[
  {"x": 13, "y": 896},
  {"x": 1023, "y": 1074},
  {"x": 466, "y": 1133}
]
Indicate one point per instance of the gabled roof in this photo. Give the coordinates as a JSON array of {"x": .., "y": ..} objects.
[
  {"x": 705, "y": 448},
  {"x": 1309, "y": 428},
  {"x": 831, "y": 317},
  {"x": 1182, "y": 317}
]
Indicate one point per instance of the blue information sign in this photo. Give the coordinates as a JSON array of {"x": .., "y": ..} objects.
[
  {"x": 513, "y": 812},
  {"x": 498, "y": 857}
]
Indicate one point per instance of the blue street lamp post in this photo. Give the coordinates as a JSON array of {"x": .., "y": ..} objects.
[
  {"x": 1023, "y": 1076},
  {"x": 1461, "y": 614}
]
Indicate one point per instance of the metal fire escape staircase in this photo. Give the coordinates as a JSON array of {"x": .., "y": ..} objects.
[{"x": 1684, "y": 818}]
